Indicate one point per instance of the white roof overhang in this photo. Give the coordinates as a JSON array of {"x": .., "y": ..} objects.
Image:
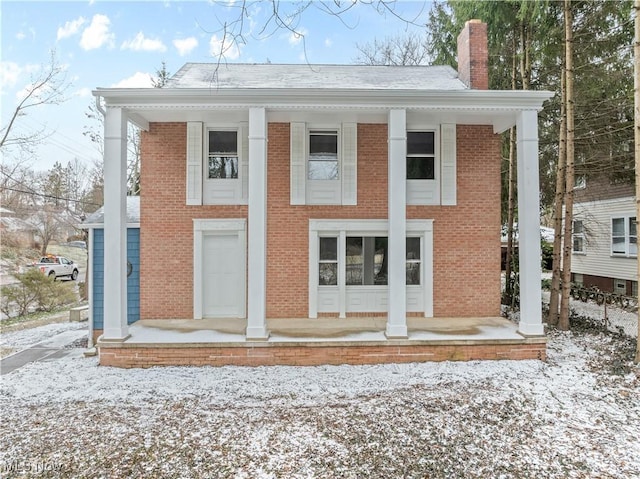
[{"x": 498, "y": 108}]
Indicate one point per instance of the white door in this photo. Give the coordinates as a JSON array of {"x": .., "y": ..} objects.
[{"x": 223, "y": 276}]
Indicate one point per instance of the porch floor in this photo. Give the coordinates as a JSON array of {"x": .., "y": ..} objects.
[{"x": 183, "y": 332}]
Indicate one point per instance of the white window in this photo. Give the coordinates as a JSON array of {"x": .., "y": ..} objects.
[
  {"x": 578, "y": 238},
  {"x": 348, "y": 264},
  {"x": 222, "y": 154},
  {"x": 619, "y": 286},
  {"x": 578, "y": 279},
  {"x": 323, "y": 159},
  {"x": 431, "y": 165},
  {"x": 421, "y": 155},
  {"x": 323, "y": 164},
  {"x": 624, "y": 236},
  {"x": 580, "y": 182},
  {"x": 217, "y": 164}
]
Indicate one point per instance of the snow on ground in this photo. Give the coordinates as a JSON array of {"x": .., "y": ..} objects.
[
  {"x": 24, "y": 338},
  {"x": 575, "y": 416}
]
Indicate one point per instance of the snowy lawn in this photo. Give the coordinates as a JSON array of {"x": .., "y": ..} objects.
[{"x": 575, "y": 416}]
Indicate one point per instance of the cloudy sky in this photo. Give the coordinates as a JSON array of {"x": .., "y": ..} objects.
[{"x": 118, "y": 43}]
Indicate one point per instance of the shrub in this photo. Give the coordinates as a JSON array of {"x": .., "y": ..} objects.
[{"x": 35, "y": 291}]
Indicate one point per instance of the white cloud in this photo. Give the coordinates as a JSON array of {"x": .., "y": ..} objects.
[
  {"x": 185, "y": 45},
  {"x": 21, "y": 36},
  {"x": 297, "y": 36},
  {"x": 138, "y": 80},
  {"x": 228, "y": 50},
  {"x": 70, "y": 28},
  {"x": 328, "y": 42},
  {"x": 97, "y": 34},
  {"x": 83, "y": 93},
  {"x": 142, "y": 44},
  {"x": 9, "y": 74}
]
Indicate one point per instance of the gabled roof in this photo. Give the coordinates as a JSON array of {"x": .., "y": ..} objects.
[
  {"x": 96, "y": 219},
  {"x": 271, "y": 76}
]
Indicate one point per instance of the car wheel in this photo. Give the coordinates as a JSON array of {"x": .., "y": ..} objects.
[
  {"x": 52, "y": 275},
  {"x": 74, "y": 275}
]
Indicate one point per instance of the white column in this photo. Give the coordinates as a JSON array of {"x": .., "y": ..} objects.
[
  {"x": 396, "y": 264},
  {"x": 529, "y": 224},
  {"x": 115, "y": 229},
  {"x": 257, "y": 242}
]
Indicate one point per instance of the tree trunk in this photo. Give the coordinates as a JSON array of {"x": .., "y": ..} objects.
[
  {"x": 563, "y": 323},
  {"x": 511, "y": 201},
  {"x": 636, "y": 96},
  {"x": 554, "y": 300}
]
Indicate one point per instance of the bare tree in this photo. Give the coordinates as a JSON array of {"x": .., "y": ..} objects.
[
  {"x": 563, "y": 322},
  {"x": 410, "y": 49},
  {"x": 48, "y": 87},
  {"x": 47, "y": 224}
]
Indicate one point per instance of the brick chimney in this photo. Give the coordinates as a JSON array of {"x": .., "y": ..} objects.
[{"x": 473, "y": 55}]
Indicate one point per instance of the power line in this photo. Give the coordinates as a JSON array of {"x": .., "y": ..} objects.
[{"x": 53, "y": 197}]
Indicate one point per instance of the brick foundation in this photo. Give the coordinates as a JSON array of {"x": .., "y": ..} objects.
[{"x": 313, "y": 355}]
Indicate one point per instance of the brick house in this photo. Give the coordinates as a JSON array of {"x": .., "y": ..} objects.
[
  {"x": 307, "y": 214},
  {"x": 605, "y": 238}
]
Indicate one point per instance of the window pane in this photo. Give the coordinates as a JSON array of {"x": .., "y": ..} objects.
[
  {"x": 577, "y": 227},
  {"x": 355, "y": 260},
  {"x": 578, "y": 244},
  {"x": 413, "y": 248},
  {"x": 420, "y": 168},
  {"x": 323, "y": 170},
  {"x": 223, "y": 167},
  {"x": 420, "y": 143},
  {"x": 328, "y": 274},
  {"x": 617, "y": 227},
  {"x": 380, "y": 260},
  {"x": 633, "y": 228},
  {"x": 413, "y": 273},
  {"x": 324, "y": 145},
  {"x": 328, "y": 249},
  {"x": 633, "y": 246},
  {"x": 618, "y": 245},
  {"x": 222, "y": 142}
]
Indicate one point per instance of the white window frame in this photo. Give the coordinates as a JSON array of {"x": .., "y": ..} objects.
[
  {"x": 627, "y": 237},
  {"x": 323, "y": 192},
  {"x": 336, "y": 299},
  {"x": 578, "y": 235},
  {"x": 216, "y": 191},
  {"x": 426, "y": 192}
]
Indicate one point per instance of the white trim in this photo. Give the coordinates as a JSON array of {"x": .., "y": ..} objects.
[
  {"x": 627, "y": 236},
  {"x": 90, "y": 267},
  {"x": 426, "y": 192},
  {"x": 202, "y": 227}
]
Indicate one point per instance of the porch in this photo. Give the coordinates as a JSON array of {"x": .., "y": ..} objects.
[{"x": 307, "y": 342}]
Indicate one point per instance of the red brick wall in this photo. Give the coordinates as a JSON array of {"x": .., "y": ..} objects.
[
  {"x": 466, "y": 237},
  {"x": 166, "y": 224}
]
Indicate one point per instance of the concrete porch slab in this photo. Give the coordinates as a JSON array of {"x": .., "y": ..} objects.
[{"x": 176, "y": 332}]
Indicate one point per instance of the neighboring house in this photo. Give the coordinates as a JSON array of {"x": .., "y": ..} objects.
[
  {"x": 94, "y": 224},
  {"x": 281, "y": 201},
  {"x": 605, "y": 238},
  {"x": 14, "y": 230}
]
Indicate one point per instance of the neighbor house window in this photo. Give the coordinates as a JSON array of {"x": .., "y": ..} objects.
[
  {"x": 413, "y": 261},
  {"x": 223, "y": 154},
  {"x": 366, "y": 260},
  {"x": 323, "y": 155},
  {"x": 620, "y": 286},
  {"x": 580, "y": 182},
  {"x": 624, "y": 236},
  {"x": 578, "y": 237},
  {"x": 328, "y": 262},
  {"x": 421, "y": 156}
]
